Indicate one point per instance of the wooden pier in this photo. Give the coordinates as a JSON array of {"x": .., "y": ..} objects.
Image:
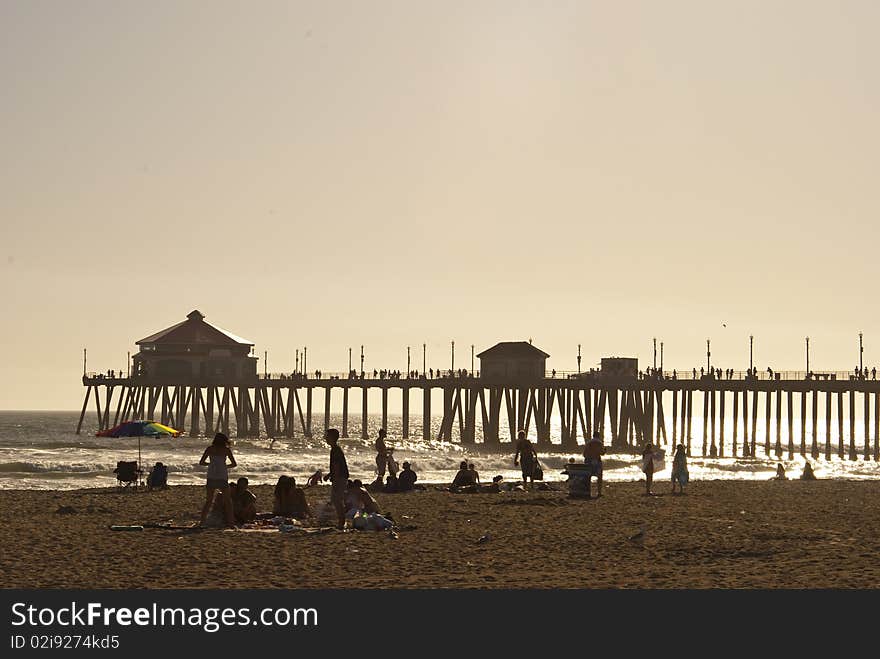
[{"x": 628, "y": 411}]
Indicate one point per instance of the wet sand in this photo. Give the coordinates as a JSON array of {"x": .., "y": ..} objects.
[{"x": 731, "y": 534}]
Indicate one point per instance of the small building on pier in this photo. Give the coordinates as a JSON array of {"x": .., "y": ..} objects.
[
  {"x": 513, "y": 359},
  {"x": 195, "y": 350},
  {"x": 620, "y": 367}
]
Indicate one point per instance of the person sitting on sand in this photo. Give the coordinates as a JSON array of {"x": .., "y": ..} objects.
[
  {"x": 407, "y": 479},
  {"x": 476, "y": 475},
  {"x": 464, "y": 479},
  {"x": 158, "y": 477},
  {"x": 808, "y": 474},
  {"x": 679, "y": 469},
  {"x": 290, "y": 500},
  {"x": 358, "y": 499},
  {"x": 780, "y": 473},
  {"x": 392, "y": 484},
  {"x": 315, "y": 479},
  {"x": 244, "y": 503}
]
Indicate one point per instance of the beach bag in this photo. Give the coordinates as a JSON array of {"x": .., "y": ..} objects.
[{"x": 538, "y": 473}]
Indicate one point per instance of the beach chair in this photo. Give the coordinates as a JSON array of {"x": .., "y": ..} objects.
[{"x": 127, "y": 474}]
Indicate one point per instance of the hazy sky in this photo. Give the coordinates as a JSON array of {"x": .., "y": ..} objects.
[{"x": 333, "y": 174}]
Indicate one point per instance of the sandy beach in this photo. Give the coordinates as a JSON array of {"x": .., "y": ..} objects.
[{"x": 728, "y": 534}]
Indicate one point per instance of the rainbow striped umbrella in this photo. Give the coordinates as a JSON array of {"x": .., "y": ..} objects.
[{"x": 139, "y": 429}]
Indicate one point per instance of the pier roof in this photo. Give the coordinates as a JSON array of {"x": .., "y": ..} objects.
[
  {"x": 194, "y": 330},
  {"x": 513, "y": 350}
]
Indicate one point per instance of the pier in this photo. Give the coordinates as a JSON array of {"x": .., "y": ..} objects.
[
  {"x": 627, "y": 411},
  {"x": 202, "y": 379}
]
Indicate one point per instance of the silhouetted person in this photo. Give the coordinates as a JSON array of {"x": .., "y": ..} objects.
[
  {"x": 808, "y": 474},
  {"x": 648, "y": 466},
  {"x": 679, "y": 469},
  {"x": 337, "y": 475},
  {"x": 464, "y": 479},
  {"x": 407, "y": 478},
  {"x": 381, "y": 456},
  {"x": 476, "y": 475},
  {"x": 780, "y": 473},
  {"x": 593, "y": 452},
  {"x": 244, "y": 503},
  {"x": 526, "y": 457}
]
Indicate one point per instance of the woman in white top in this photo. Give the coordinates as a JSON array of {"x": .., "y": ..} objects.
[{"x": 218, "y": 475}]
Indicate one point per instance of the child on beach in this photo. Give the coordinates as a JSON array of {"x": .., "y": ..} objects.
[{"x": 679, "y": 469}]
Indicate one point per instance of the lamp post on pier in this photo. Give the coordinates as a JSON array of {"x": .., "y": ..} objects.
[
  {"x": 407, "y": 361},
  {"x": 751, "y": 353},
  {"x": 655, "y": 353},
  {"x": 861, "y": 354},
  {"x": 349, "y": 361},
  {"x": 808, "y": 355},
  {"x": 579, "y": 357},
  {"x": 472, "y": 359},
  {"x": 424, "y": 359},
  {"x": 362, "y": 361},
  {"x": 453, "y": 356},
  {"x": 708, "y": 355}
]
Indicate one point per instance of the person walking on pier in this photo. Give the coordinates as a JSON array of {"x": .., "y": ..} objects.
[
  {"x": 337, "y": 475},
  {"x": 218, "y": 476},
  {"x": 526, "y": 457}
]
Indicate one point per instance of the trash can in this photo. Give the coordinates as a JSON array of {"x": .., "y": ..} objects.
[{"x": 578, "y": 480}]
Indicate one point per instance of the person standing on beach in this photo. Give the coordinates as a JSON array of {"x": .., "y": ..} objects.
[
  {"x": 593, "y": 452},
  {"x": 381, "y": 456},
  {"x": 218, "y": 476},
  {"x": 648, "y": 467},
  {"x": 525, "y": 457},
  {"x": 337, "y": 475},
  {"x": 679, "y": 469}
]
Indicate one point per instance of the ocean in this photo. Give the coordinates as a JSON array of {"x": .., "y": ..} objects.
[{"x": 40, "y": 450}]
